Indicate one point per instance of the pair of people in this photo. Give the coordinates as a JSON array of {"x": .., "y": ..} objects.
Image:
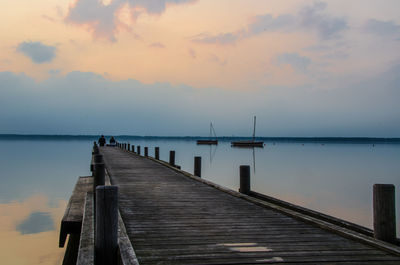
[{"x": 102, "y": 140}]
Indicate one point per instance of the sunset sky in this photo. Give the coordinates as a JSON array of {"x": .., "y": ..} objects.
[{"x": 169, "y": 67}]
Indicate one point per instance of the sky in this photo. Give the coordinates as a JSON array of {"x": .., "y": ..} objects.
[{"x": 170, "y": 67}]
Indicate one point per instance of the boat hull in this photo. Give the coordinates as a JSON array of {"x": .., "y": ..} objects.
[
  {"x": 247, "y": 144},
  {"x": 207, "y": 142}
]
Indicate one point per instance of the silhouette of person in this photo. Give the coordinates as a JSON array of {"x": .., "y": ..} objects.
[
  {"x": 102, "y": 140},
  {"x": 112, "y": 140}
]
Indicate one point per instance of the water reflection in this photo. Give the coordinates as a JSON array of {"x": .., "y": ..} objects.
[
  {"x": 38, "y": 178},
  {"x": 213, "y": 151},
  {"x": 36, "y": 222},
  {"x": 28, "y": 232}
]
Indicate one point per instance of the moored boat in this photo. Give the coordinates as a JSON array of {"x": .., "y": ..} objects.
[
  {"x": 209, "y": 141},
  {"x": 249, "y": 143}
]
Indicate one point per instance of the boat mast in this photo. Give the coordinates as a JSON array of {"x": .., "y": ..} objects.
[
  {"x": 213, "y": 131},
  {"x": 254, "y": 129}
]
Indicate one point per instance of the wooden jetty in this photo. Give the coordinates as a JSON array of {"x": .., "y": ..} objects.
[{"x": 168, "y": 216}]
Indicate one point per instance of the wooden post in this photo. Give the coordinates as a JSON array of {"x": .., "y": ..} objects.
[
  {"x": 129, "y": 147},
  {"x": 124, "y": 146},
  {"x": 106, "y": 227},
  {"x": 384, "y": 212},
  {"x": 133, "y": 148},
  {"x": 172, "y": 158},
  {"x": 95, "y": 149},
  {"x": 138, "y": 149},
  {"x": 97, "y": 159},
  {"x": 157, "y": 153},
  {"x": 197, "y": 166},
  {"x": 146, "y": 151},
  {"x": 244, "y": 179},
  {"x": 98, "y": 175}
]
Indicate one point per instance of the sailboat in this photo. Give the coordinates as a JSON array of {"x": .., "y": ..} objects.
[
  {"x": 210, "y": 140},
  {"x": 250, "y": 143}
]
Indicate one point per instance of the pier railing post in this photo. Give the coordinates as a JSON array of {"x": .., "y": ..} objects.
[
  {"x": 172, "y": 158},
  {"x": 157, "y": 153},
  {"x": 95, "y": 149},
  {"x": 106, "y": 227},
  {"x": 129, "y": 147},
  {"x": 138, "y": 149},
  {"x": 133, "y": 148},
  {"x": 244, "y": 179},
  {"x": 146, "y": 151},
  {"x": 384, "y": 212},
  {"x": 197, "y": 166}
]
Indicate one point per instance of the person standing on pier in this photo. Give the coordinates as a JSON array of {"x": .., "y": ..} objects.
[
  {"x": 112, "y": 141},
  {"x": 102, "y": 140}
]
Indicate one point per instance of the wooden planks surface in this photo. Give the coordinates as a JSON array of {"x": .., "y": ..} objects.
[
  {"x": 72, "y": 221},
  {"x": 172, "y": 219}
]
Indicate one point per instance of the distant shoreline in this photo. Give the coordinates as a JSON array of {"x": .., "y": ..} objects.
[{"x": 371, "y": 140}]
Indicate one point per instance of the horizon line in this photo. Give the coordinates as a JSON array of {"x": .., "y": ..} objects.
[{"x": 202, "y": 137}]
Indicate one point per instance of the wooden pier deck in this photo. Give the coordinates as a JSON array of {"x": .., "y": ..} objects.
[{"x": 171, "y": 218}]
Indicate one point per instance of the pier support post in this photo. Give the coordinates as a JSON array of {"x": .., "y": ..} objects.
[
  {"x": 98, "y": 175},
  {"x": 384, "y": 212},
  {"x": 146, "y": 151},
  {"x": 172, "y": 158},
  {"x": 95, "y": 149},
  {"x": 97, "y": 159},
  {"x": 133, "y": 148},
  {"x": 197, "y": 166},
  {"x": 157, "y": 153},
  {"x": 106, "y": 227},
  {"x": 138, "y": 149},
  {"x": 129, "y": 147},
  {"x": 244, "y": 179}
]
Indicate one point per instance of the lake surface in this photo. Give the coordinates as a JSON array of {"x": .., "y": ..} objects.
[{"x": 38, "y": 176}]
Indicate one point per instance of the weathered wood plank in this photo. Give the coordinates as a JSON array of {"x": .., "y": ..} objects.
[
  {"x": 173, "y": 218},
  {"x": 86, "y": 244},
  {"x": 72, "y": 220}
]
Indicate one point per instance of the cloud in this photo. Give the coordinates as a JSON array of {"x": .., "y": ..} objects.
[
  {"x": 88, "y": 103},
  {"x": 192, "y": 53},
  {"x": 157, "y": 45},
  {"x": 382, "y": 28},
  {"x": 298, "y": 62},
  {"x": 103, "y": 21},
  {"x": 37, "y": 51},
  {"x": 223, "y": 38},
  {"x": 309, "y": 18},
  {"x": 326, "y": 26},
  {"x": 267, "y": 22},
  {"x": 215, "y": 59}
]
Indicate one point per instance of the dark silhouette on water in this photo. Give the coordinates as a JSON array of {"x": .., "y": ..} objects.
[
  {"x": 210, "y": 141},
  {"x": 252, "y": 142}
]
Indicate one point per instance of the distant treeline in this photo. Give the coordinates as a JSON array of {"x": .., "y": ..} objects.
[{"x": 193, "y": 138}]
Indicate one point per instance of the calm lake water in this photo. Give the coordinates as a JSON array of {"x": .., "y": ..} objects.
[{"x": 38, "y": 176}]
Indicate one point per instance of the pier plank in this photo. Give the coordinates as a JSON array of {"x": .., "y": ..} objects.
[
  {"x": 173, "y": 219},
  {"x": 72, "y": 220}
]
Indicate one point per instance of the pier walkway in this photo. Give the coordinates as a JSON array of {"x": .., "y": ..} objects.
[{"x": 171, "y": 218}]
